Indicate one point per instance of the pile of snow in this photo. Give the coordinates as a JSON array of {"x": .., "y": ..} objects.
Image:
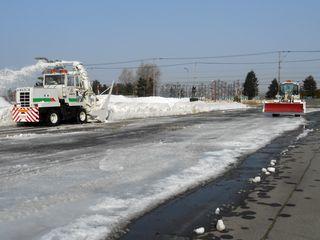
[
  {"x": 121, "y": 107},
  {"x": 5, "y": 115}
]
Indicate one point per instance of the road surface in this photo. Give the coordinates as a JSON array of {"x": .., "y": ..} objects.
[{"x": 89, "y": 181}]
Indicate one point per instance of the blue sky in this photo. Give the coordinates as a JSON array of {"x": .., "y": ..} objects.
[{"x": 107, "y": 31}]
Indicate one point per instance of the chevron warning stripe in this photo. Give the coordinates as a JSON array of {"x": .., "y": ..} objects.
[{"x": 25, "y": 114}]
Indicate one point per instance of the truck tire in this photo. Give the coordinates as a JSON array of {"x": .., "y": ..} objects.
[
  {"x": 53, "y": 118},
  {"x": 81, "y": 116}
]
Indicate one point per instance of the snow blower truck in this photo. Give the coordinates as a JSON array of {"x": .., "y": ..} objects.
[
  {"x": 64, "y": 95},
  {"x": 288, "y": 101}
]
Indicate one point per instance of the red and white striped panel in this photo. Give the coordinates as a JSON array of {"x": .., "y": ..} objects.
[{"x": 25, "y": 114}]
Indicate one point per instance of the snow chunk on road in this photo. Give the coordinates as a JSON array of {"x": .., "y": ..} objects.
[{"x": 304, "y": 133}]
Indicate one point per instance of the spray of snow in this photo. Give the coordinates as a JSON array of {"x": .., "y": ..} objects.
[{"x": 9, "y": 77}]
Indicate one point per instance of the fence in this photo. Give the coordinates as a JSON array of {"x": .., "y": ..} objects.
[{"x": 215, "y": 90}]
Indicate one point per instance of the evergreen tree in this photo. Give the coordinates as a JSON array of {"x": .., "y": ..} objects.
[
  {"x": 309, "y": 86},
  {"x": 250, "y": 86},
  {"x": 96, "y": 85},
  {"x": 149, "y": 74},
  {"x": 141, "y": 87},
  {"x": 273, "y": 89}
]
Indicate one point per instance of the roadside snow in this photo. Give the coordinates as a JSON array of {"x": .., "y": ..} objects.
[
  {"x": 5, "y": 115},
  {"x": 310, "y": 110},
  {"x": 126, "y": 107}
]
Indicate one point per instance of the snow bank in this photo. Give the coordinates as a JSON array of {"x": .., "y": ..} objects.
[
  {"x": 5, "y": 116},
  {"x": 126, "y": 108}
]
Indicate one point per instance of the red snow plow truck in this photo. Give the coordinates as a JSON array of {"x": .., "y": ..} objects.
[{"x": 288, "y": 101}]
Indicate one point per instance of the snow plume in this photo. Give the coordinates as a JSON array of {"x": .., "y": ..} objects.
[{"x": 13, "y": 78}]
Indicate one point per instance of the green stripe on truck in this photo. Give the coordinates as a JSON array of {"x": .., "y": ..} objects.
[
  {"x": 41, "y": 99},
  {"x": 73, "y": 100}
]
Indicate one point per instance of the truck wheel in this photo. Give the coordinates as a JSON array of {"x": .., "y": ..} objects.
[
  {"x": 53, "y": 118},
  {"x": 81, "y": 116}
]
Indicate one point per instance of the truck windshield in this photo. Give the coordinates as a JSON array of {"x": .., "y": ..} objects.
[
  {"x": 289, "y": 88},
  {"x": 56, "y": 79}
]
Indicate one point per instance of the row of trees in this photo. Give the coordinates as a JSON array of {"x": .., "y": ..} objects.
[
  {"x": 251, "y": 87},
  {"x": 143, "y": 82},
  {"x": 308, "y": 89}
]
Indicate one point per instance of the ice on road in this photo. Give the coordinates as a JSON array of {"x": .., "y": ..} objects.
[{"x": 85, "y": 185}]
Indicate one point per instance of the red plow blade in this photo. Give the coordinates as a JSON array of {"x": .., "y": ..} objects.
[{"x": 284, "y": 108}]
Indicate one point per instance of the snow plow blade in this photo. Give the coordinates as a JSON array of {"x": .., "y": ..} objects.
[{"x": 285, "y": 108}]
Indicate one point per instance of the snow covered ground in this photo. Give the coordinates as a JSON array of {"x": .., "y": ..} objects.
[{"x": 84, "y": 185}]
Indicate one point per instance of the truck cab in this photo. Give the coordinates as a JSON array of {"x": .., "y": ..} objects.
[{"x": 289, "y": 91}]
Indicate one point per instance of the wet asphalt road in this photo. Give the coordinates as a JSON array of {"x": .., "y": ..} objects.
[
  {"x": 170, "y": 220},
  {"x": 95, "y": 135},
  {"x": 177, "y": 218}
]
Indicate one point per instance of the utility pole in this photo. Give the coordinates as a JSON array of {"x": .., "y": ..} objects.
[
  {"x": 279, "y": 67},
  {"x": 154, "y": 77},
  {"x": 279, "y": 71}
]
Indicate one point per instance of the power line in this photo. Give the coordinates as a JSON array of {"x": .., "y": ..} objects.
[
  {"x": 304, "y": 51},
  {"x": 181, "y": 58},
  {"x": 202, "y": 57},
  {"x": 222, "y": 56},
  {"x": 303, "y": 60},
  {"x": 236, "y": 63},
  {"x": 120, "y": 62},
  {"x": 136, "y": 67},
  {"x": 209, "y": 63}
]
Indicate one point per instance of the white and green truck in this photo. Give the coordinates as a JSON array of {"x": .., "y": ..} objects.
[{"x": 64, "y": 95}]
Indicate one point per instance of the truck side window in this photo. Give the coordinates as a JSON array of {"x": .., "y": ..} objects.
[
  {"x": 54, "y": 79},
  {"x": 77, "y": 81},
  {"x": 70, "y": 81}
]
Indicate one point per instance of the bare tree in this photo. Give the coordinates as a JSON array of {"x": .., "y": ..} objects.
[
  {"x": 127, "y": 77},
  {"x": 149, "y": 74}
]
